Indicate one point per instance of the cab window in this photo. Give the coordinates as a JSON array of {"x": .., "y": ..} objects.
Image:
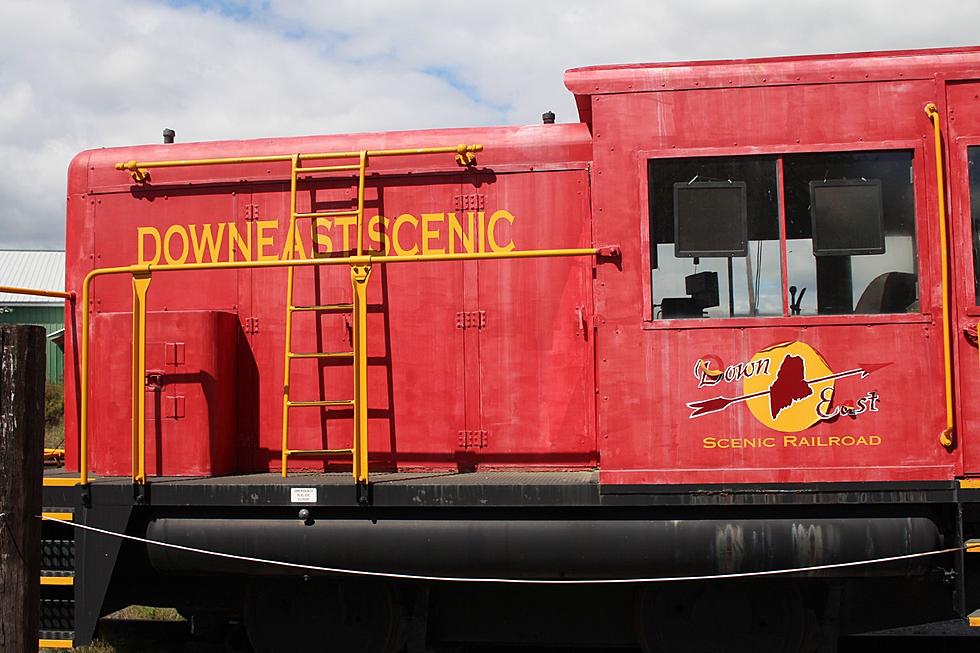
[{"x": 848, "y": 241}]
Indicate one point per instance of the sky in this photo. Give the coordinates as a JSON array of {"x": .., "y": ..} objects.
[{"x": 103, "y": 73}]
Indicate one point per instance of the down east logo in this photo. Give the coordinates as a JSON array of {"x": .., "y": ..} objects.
[{"x": 787, "y": 387}]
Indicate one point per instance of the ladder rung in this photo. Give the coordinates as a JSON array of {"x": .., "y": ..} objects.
[
  {"x": 336, "y": 168},
  {"x": 327, "y": 214},
  {"x": 327, "y": 402},
  {"x": 57, "y": 580},
  {"x": 324, "y": 307},
  {"x": 322, "y": 354},
  {"x": 318, "y": 452}
]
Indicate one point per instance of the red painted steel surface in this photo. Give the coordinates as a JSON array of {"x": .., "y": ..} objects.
[
  {"x": 191, "y": 397},
  {"x": 559, "y": 363}
]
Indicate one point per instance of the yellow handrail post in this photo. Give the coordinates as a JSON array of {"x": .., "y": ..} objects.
[
  {"x": 946, "y": 437},
  {"x": 290, "y": 247},
  {"x": 359, "y": 274},
  {"x": 141, "y": 282}
]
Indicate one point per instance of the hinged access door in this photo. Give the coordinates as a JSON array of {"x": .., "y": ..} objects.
[{"x": 961, "y": 125}]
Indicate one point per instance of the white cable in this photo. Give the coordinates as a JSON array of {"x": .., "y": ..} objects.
[{"x": 525, "y": 581}]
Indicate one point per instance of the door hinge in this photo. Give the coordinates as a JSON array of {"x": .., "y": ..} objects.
[
  {"x": 251, "y": 212},
  {"x": 174, "y": 407},
  {"x": 251, "y": 325},
  {"x": 471, "y": 319},
  {"x": 470, "y": 202},
  {"x": 174, "y": 353},
  {"x": 472, "y": 439}
]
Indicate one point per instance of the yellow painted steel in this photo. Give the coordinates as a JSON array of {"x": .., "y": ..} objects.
[
  {"x": 972, "y": 546},
  {"x": 57, "y": 580},
  {"x": 63, "y": 516},
  {"x": 465, "y": 155},
  {"x": 359, "y": 275},
  {"x": 363, "y": 261},
  {"x": 289, "y": 315},
  {"x": 946, "y": 437},
  {"x": 37, "y": 292},
  {"x": 974, "y": 619},
  {"x": 141, "y": 283},
  {"x": 55, "y": 643},
  {"x": 970, "y": 483},
  {"x": 63, "y": 481}
]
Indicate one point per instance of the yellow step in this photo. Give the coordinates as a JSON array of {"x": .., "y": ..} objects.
[
  {"x": 55, "y": 643},
  {"x": 57, "y": 580},
  {"x": 974, "y": 619},
  {"x": 63, "y": 516}
]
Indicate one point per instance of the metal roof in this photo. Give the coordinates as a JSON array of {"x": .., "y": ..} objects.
[{"x": 44, "y": 270}]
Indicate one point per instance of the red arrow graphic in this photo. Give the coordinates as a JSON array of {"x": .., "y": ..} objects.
[{"x": 715, "y": 404}]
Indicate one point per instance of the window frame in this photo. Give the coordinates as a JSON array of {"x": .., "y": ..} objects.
[
  {"x": 925, "y": 230},
  {"x": 960, "y": 216}
]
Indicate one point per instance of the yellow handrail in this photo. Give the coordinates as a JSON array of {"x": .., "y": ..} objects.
[
  {"x": 946, "y": 437},
  {"x": 139, "y": 329},
  {"x": 37, "y": 292},
  {"x": 55, "y": 454},
  {"x": 465, "y": 155}
]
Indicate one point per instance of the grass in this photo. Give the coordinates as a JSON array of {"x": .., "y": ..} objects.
[
  {"x": 54, "y": 415},
  {"x": 133, "y": 612}
]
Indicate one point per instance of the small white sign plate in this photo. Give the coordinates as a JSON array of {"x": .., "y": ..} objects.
[{"x": 302, "y": 494}]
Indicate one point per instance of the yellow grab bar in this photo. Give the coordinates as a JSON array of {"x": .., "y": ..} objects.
[
  {"x": 139, "y": 328},
  {"x": 946, "y": 437},
  {"x": 37, "y": 292},
  {"x": 465, "y": 155}
]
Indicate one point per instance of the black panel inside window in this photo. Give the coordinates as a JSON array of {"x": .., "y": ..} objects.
[
  {"x": 710, "y": 219},
  {"x": 847, "y": 217}
]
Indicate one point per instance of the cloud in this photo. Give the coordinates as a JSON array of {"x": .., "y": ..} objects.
[{"x": 116, "y": 72}]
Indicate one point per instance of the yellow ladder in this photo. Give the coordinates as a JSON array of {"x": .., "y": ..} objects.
[{"x": 357, "y": 309}]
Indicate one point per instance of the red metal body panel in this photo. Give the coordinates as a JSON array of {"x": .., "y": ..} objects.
[
  {"x": 515, "y": 389},
  {"x": 190, "y": 400},
  {"x": 558, "y": 363}
]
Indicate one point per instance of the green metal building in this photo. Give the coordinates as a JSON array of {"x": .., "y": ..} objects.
[{"x": 44, "y": 270}]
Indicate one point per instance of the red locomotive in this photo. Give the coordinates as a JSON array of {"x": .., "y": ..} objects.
[{"x": 726, "y": 324}]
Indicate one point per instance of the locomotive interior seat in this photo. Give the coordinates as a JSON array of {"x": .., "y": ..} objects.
[{"x": 890, "y": 292}]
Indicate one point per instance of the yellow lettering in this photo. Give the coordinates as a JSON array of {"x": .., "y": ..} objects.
[
  {"x": 376, "y": 237},
  {"x": 499, "y": 215},
  {"x": 153, "y": 233},
  {"x": 707, "y": 443},
  {"x": 344, "y": 223},
  {"x": 834, "y": 441},
  {"x": 482, "y": 230},
  {"x": 208, "y": 240},
  {"x": 428, "y": 235},
  {"x": 874, "y": 440},
  {"x": 235, "y": 241},
  {"x": 322, "y": 237},
  {"x": 769, "y": 442},
  {"x": 789, "y": 440},
  {"x": 399, "y": 221},
  {"x": 264, "y": 241},
  {"x": 185, "y": 247},
  {"x": 456, "y": 231},
  {"x": 294, "y": 245}
]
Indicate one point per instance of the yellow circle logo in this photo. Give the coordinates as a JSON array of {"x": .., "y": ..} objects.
[{"x": 786, "y": 384}]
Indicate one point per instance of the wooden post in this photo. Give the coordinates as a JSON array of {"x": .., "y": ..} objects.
[{"x": 21, "y": 469}]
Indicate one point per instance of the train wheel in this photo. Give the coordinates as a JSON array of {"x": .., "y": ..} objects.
[
  {"x": 731, "y": 617},
  {"x": 324, "y": 616}
]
